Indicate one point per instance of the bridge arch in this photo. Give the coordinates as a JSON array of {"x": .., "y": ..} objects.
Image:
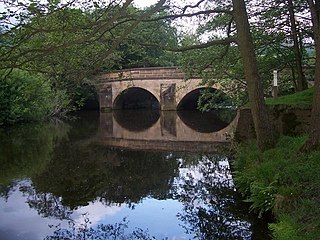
[
  {"x": 190, "y": 100},
  {"x": 136, "y": 98}
]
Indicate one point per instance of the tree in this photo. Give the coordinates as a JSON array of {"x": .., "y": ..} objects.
[
  {"x": 301, "y": 81},
  {"x": 266, "y": 136},
  {"x": 50, "y": 29},
  {"x": 314, "y": 135},
  {"x": 265, "y": 132}
]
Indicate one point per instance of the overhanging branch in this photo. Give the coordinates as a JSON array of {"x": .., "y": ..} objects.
[
  {"x": 204, "y": 12},
  {"x": 225, "y": 41}
]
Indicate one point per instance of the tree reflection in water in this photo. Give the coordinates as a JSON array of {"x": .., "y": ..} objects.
[
  {"x": 208, "y": 196},
  {"x": 46, "y": 204},
  {"x": 83, "y": 231},
  {"x": 115, "y": 176},
  {"x": 211, "y": 208}
]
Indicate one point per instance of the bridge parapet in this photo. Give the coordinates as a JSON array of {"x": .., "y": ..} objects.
[{"x": 153, "y": 73}]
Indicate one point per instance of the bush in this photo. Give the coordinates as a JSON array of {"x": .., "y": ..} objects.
[{"x": 23, "y": 97}]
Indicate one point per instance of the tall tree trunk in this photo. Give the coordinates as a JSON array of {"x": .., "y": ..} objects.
[
  {"x": 265, "y": 132},
  {"x": 301, "y": 81},
  {"x": 314, "y": 136}
]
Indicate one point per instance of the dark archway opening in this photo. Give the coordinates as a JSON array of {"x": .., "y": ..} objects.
[
  {"x": 204, "y": 98},
  {"x": 136, "y": 98},
  {"x": 208, "y": 121}
]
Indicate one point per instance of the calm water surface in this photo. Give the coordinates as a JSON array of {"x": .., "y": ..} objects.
[{"x": 122, "y": 175}]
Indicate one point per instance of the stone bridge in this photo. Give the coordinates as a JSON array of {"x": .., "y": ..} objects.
[{"x": 165, "y": 88}]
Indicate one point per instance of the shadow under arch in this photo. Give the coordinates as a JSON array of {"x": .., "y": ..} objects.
[
  {"x": 205, "y": 122},
  {"x": 136, "y": 98}
]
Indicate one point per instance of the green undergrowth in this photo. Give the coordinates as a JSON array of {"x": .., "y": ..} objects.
[
  {"x": 301, "y": 99},
  {"x": 284, "y": 181}
]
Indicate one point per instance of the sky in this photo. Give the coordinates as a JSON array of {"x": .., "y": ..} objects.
[
  {"x": 138, "y": 3},
  {"x": 144, "y": 3}
]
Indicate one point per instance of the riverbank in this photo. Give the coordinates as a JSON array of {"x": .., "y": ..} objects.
[{"x": 283, "y": 180}]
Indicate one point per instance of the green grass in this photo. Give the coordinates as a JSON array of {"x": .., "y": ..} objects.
[
  {"x": 284, "y": 181},
  {"x": 303, "y": 99}
]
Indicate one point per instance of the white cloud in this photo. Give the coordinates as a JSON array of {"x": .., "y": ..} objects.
[
  {"x": 96, "y": 212},
  {"x": 21, "y": 222}
]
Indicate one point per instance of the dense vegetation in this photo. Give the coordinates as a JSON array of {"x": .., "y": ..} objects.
[
  {"x": 24, "y": 97},
  {"x": 284, "y": 181}
]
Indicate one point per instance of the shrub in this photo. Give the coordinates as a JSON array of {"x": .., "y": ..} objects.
[{"x": 23, "y": 97}]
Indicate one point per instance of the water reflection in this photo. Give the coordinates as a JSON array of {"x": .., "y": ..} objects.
[
  {"x": 206, "y": 122},
  {"x": 102, "y": 231},
  {"x": 212, "y": 208},
  {"x": 57, "y": 183},
  {"x": 203, "y": 122},
  {"x": 81, "y": 174},
  {"x": 27, "y": 149},
  {"x": 136, "y": 120},
  {"x": 169, "y": 130}
]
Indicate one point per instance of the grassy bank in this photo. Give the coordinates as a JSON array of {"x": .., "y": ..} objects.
[
  {"x": 283, "y": 180},
  {"x": 300, "y": 99}
]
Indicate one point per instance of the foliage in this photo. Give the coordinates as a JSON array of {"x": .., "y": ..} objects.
[
  {"x": 69, "y": 68},
  {"x": 284, "y": 181},
  {"x": 213, "y": 100},
  {"x": 142, "y": 48},
  {"x": 216, "y": 65},
  {"x": 281, "y": 30},
  {"x": 285, "y": 229},
  {"x": 24, "y": 97}
]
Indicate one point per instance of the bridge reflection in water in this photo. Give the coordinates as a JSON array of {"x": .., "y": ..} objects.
[{"x": 167, "y": 130}]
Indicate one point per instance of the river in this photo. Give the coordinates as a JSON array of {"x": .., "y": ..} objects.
[{"x": 123, "y": 175}]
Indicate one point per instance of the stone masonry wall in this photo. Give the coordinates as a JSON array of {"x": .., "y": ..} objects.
[{"x": 290, "y": 121}]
